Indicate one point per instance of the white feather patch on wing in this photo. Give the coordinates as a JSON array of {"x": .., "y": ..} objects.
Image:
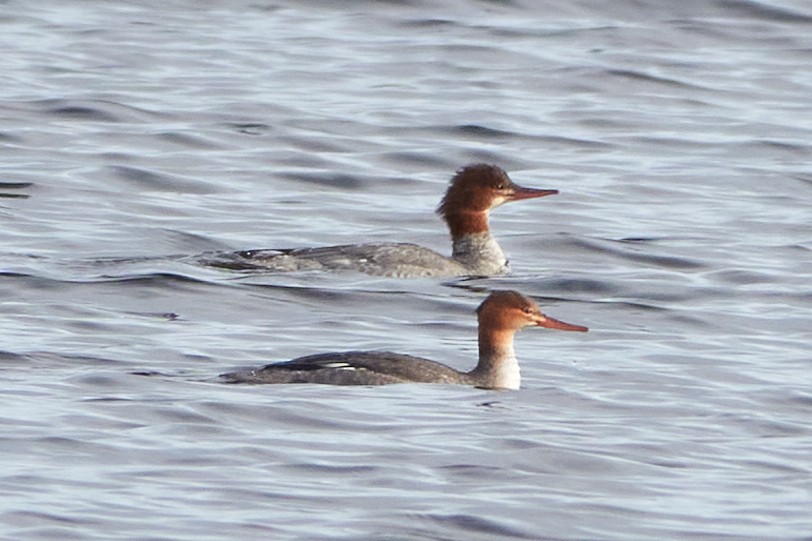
[{"x": 340, "y": 365}]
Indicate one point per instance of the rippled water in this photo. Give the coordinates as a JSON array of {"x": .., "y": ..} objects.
[{"x": 135, "y": 134}]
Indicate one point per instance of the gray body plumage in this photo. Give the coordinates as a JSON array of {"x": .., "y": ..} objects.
[
  {"x": 353, "y": 368},
  {"x": 473, "y": 255}
]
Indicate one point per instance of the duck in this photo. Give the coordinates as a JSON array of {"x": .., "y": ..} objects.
[
  {"x": 473, "y": 192},
  {"x": 500, "y": 316}
]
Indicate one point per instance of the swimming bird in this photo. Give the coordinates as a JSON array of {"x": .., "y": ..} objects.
[
  {"x": 500, "y": 316},
  {"x": 474, "y": 191}
]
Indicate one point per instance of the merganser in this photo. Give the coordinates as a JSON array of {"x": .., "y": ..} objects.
[
  {"x": 500, "y": 316},
  {"x": 474, "y": 191}
]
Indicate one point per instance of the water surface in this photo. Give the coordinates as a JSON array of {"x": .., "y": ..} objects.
[{"x": 136, "y": 134}]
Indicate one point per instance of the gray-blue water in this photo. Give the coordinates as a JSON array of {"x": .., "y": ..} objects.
[{"x": 679, "y": 134}]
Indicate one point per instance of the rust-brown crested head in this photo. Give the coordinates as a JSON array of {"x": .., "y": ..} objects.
[
  {"x": 510, "y": 310},
  {"x": 507, "y": 310},
  {"x": 480, "y": 187},
  {"x": 475, "y": 188}
]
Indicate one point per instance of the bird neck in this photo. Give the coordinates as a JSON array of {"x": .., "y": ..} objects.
[
  {"x": 467, "y": 222},
  {"x": 497, "y": 367}
]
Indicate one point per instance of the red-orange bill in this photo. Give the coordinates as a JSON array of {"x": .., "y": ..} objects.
[
  {"x": 528, "y": 193},
  {"x": 551, "y": 323}
]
